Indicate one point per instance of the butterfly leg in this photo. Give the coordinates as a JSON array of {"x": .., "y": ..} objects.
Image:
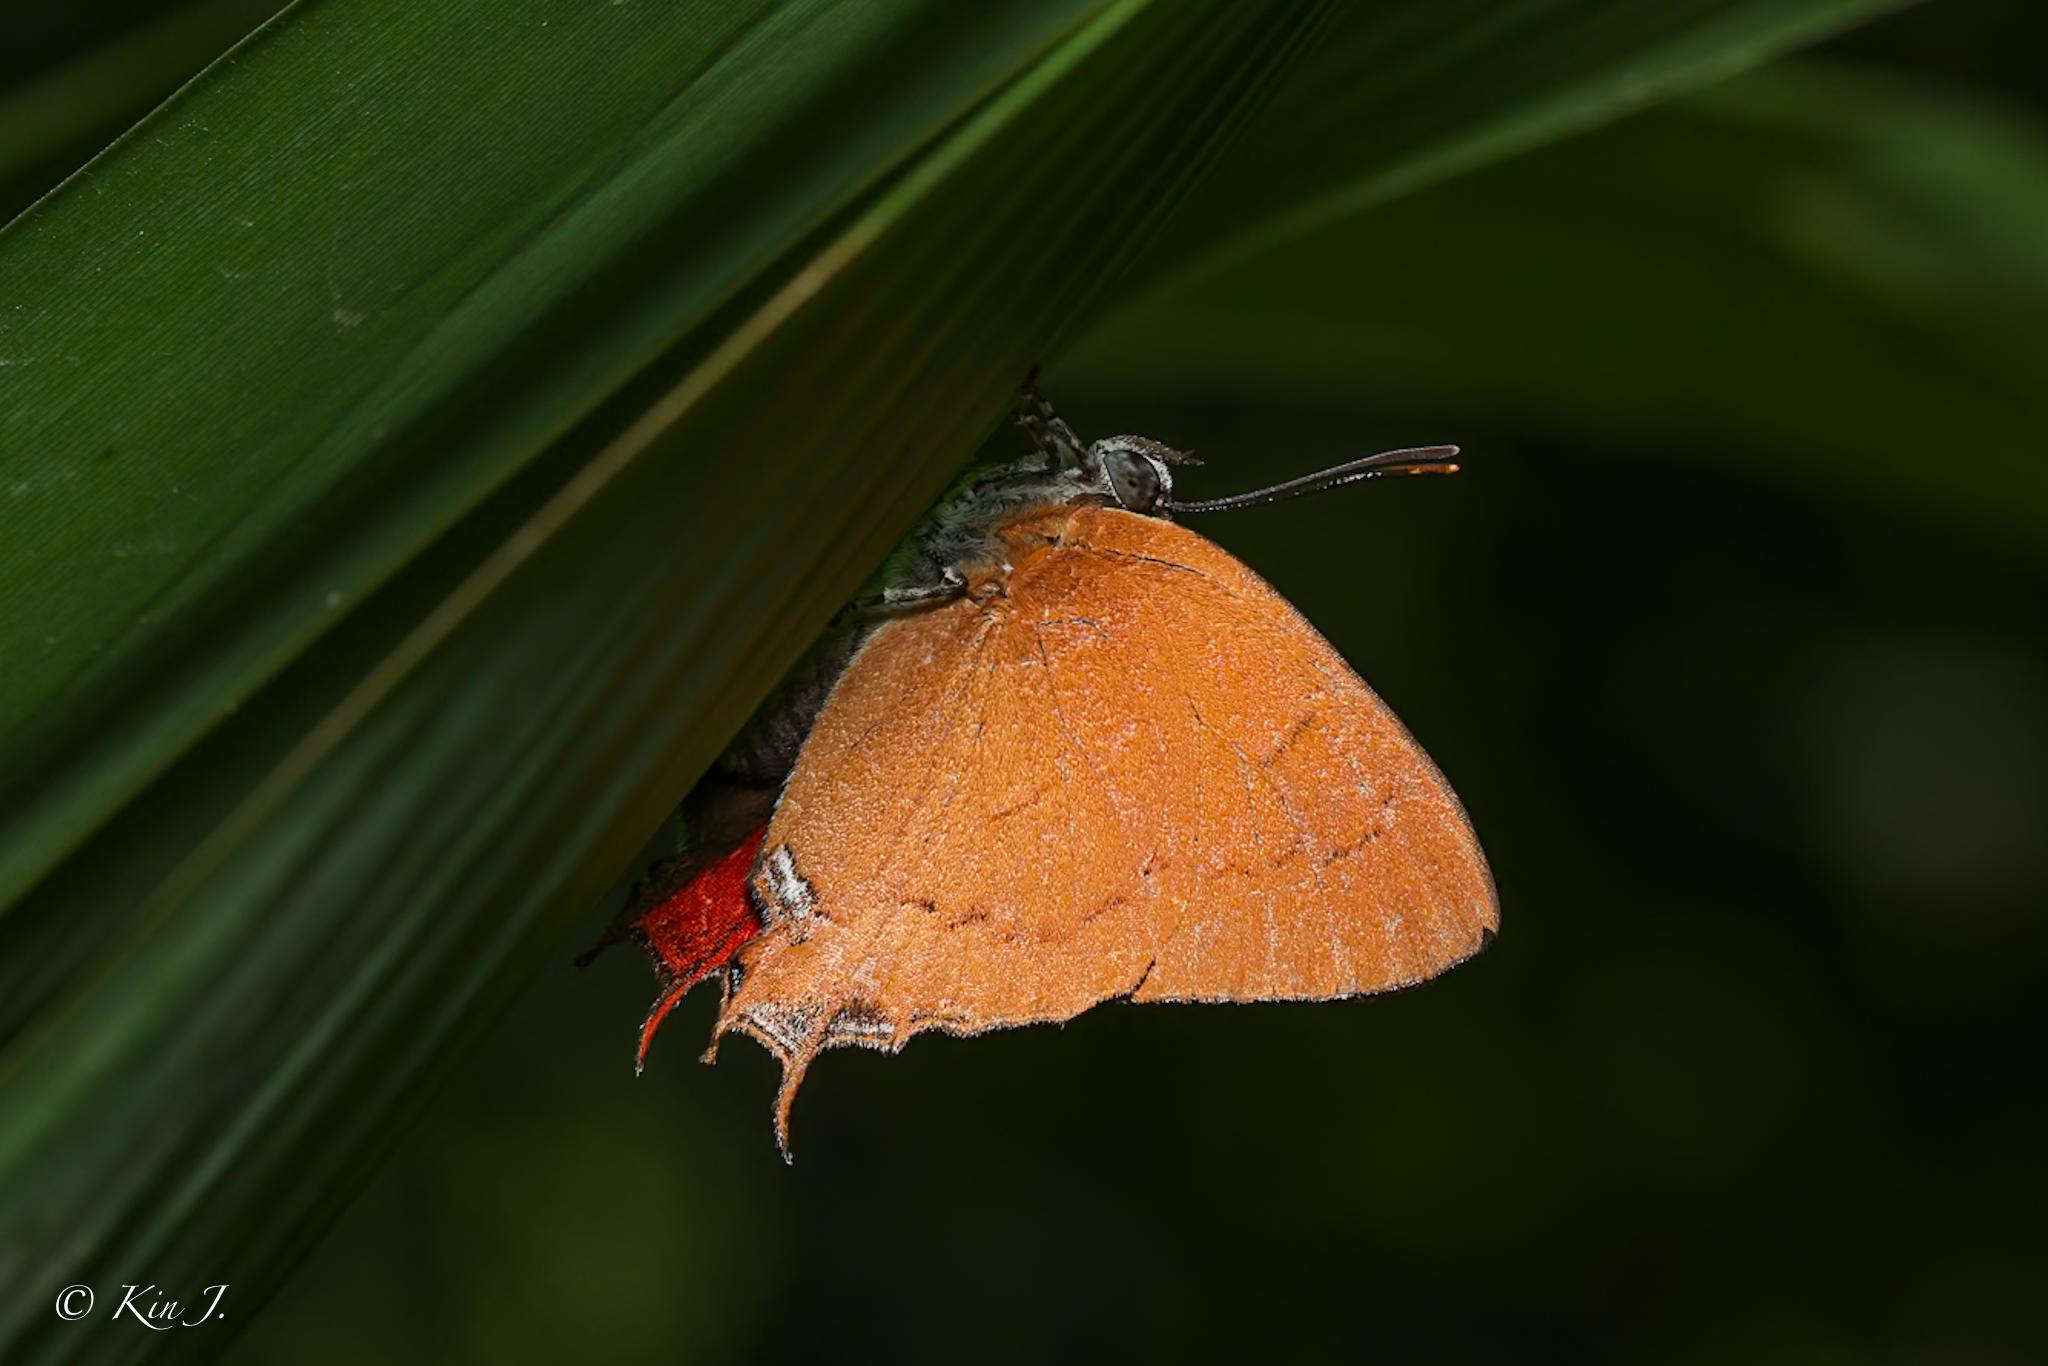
[
  {"x": 1054, "y": 439},
  {"x": 910, "y": 597}
]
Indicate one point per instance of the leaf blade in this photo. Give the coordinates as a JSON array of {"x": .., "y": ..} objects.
[
  {"x": 601, "y": 685},
  {"x": 380, "y": 441}
]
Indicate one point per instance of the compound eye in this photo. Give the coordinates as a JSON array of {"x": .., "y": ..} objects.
[{"x": 1140, "y": 482}]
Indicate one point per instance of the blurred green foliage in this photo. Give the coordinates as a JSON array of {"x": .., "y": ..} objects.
[
  {"x": 1732, "y": 638},
  {"x": 1835, "y": 278}
]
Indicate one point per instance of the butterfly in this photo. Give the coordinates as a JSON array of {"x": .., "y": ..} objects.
[{"x": 1069, "y": 752}]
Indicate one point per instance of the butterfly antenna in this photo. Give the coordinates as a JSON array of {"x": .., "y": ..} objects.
[{"x": 1413, "y": 460}]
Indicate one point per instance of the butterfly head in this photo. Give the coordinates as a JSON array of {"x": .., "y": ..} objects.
[{"x": 1139, "y": 472}]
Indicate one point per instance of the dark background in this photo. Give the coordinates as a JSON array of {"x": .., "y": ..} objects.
[{"x": 1753, "y": 1073}]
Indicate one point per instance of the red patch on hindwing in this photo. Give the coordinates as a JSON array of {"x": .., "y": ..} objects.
[{"x": 697, "y": 930}]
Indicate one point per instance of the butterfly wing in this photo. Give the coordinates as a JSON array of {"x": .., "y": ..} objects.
[{"x": 1134, "y": 772}]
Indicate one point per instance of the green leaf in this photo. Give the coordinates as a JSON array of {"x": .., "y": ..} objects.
[
  {"x": 318, "y": 934},
  {"x": 426, "y": 443},
  {"x": 1833, "y": 277},
  {"x": 301, "y": 366},
  {"x": 50, "y": 124}
]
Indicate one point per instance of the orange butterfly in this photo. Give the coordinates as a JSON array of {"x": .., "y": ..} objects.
[{"x": 1084, "y": 755}]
